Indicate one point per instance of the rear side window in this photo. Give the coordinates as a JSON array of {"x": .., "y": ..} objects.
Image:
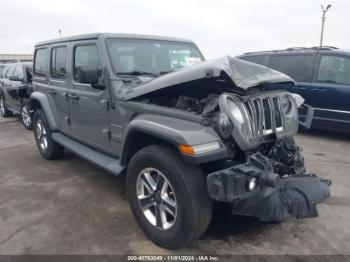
[
  {"x": 10, "y": 71},
  {"x": 19, "y": 72},
  {"x": 86, "y": 55},
  {"x": 58, "y": 65},
  {"x": 257, "y": 59},
  {"x": 40, "y": 62},
  {"x": 298, "y": 67},
  {"x": 334, "y": 69}
]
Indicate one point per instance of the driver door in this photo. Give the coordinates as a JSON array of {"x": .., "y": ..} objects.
[{"x": 90, "y": 121}]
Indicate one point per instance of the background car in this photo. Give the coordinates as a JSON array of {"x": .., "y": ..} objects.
[
  {"x": 2, "y": 66},
  {"x": 15, "y": 89},
  {"x": 322, "y": 78}
]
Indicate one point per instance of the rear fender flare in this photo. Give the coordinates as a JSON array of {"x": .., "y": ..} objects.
[{"x": 41, "y": 99}]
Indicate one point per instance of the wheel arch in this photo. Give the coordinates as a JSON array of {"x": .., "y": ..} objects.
[
  {"x": 138, "y": 139},
  {"x": 39, "y": 100},
  {"x": 151, "y": 129}
]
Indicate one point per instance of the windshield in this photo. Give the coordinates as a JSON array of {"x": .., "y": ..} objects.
[{"x": 136, "y": 56}]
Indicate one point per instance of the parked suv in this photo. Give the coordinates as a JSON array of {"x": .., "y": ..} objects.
[
  {"x": 322, "y": 78},
  {"x": 15, "y": 89},
  {"x": 185, "y": 131}
]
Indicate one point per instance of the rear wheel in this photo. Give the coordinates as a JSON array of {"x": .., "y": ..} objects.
[
  {"x": 48, "y": 148},
  {"x": 168, "y": 197},
  {"x": 26, "y": 118},
  {"x": 3, "y": 110}
]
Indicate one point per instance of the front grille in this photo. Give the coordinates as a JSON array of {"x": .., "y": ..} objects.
[{"x": 265, "y": 115}]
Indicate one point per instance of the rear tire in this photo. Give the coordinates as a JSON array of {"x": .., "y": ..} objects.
[
  {"x": 26, "y": 118},
  {"x": 3, "y": 110},
  {"x": 48, "y": 148},
  {"x": 190, "y": 203}
]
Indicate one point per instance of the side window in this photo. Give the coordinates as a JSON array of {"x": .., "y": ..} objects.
[
  {"x": 298, "y": 67},
  {"x": 40, "y": 62},
  {"x": 257, "y": 59},
  {"x": 86, "y": 54},
  {"x": 334, "y": 69},
  {"x": 10, "y": 71},
  {"x": 58, "y": 65},
  {"x": 5, "y": 72},
  {"x": 19, "y": 72}
]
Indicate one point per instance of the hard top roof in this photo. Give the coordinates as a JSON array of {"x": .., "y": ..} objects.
[{"x": 110, "y": 35}]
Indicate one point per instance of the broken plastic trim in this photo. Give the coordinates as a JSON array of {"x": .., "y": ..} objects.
[{"x": 274, "y": 198}]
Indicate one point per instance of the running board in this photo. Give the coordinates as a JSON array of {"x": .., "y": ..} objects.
[{"x": 109, "y": 164}]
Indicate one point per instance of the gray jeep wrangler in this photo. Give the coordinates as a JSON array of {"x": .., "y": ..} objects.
[{"x": 186, "y": 132}]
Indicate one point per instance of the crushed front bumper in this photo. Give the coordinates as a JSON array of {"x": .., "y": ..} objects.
[{"x": 274, "y": 198}]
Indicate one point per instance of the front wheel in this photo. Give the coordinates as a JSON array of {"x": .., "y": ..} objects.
[
  {"x": 48, "y": 148},
  {"x": 26, "y": 118},
  {"x": 168, "y": 197}
]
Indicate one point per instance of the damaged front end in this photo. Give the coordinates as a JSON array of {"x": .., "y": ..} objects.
[
  {"x": 261, "y": 172},
  {"x": 270, "y": 185}
]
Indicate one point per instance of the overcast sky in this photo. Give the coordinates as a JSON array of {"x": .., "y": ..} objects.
[{"x": 221, "y": 27}]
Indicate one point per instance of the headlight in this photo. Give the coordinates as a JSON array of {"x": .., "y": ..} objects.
[
  {"x": 252, "y": 183},
  {"x": 236, "y": 112},
  {"x": 286, "y": 104},
  {"x": 224, "y": 126}
]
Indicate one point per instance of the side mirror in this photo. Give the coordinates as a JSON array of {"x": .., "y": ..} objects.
[
  {"x": 88, "y": 74},
  {"x": 15, "y": 78}
]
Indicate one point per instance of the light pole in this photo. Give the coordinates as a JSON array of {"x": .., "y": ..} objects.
[
  {"x": 324, "y": 10},
  {"x": 60, "y": 32}
]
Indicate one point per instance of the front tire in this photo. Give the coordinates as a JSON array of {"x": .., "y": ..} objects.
[
  {"x": 168, "y": 197},
  {"x": 3, "y": 110},
  {"x": 48, "y": 148},
  {"x": 26, "y": 118}
]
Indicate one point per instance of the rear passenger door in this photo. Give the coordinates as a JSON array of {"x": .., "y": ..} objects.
[
  {"x": 15, "y": 87},
  {"x": 330, "y": 92},
  {"x": 89, "y": 106},
  {"x": 59, "y": 86}
]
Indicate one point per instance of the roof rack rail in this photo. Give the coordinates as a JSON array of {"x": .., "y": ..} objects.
[
  {"x": 296, "y": 49},
  {"x": 324, "y": 47}
]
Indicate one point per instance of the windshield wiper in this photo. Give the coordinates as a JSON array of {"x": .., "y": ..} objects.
[
  {"x": 165, "y": 72},
  {"x": 138, "y": 73}
]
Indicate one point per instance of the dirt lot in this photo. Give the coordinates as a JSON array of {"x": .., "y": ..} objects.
[{"x": 71, "y": 207}]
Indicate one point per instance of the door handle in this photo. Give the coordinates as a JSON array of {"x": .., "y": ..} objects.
[
  {"x": 319, "y": 89},
  {"x": 73, "y": 97},
  {"x": 300, "y": 88},
  {"x": 52, "y": 92}
]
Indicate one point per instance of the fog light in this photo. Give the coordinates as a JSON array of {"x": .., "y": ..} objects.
[{"x": 251, "y": 183}]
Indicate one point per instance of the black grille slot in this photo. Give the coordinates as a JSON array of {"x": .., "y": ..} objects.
[
  {"x": 278, "y": 115},
  {"x": 267, "y": 116}
]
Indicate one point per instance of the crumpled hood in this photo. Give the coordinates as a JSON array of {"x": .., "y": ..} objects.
[{"x": 226, "y": 71}]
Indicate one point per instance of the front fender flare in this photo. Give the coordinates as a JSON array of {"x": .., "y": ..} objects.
[
  {"x": 176, "y": 132},
  {"x": 42, "y": 99}
]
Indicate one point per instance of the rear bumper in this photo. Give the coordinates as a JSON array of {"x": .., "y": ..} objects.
[{"x": 274, "y": 198}]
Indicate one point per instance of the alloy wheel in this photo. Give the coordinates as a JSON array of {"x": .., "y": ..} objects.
[
  {"x": 156, "y": 198},
  {"x": 41, "y": 135},
  {"x": 27, "y": 120}
]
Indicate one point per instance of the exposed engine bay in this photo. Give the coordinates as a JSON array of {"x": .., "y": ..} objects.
[{"x": 264, "y": 174}]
